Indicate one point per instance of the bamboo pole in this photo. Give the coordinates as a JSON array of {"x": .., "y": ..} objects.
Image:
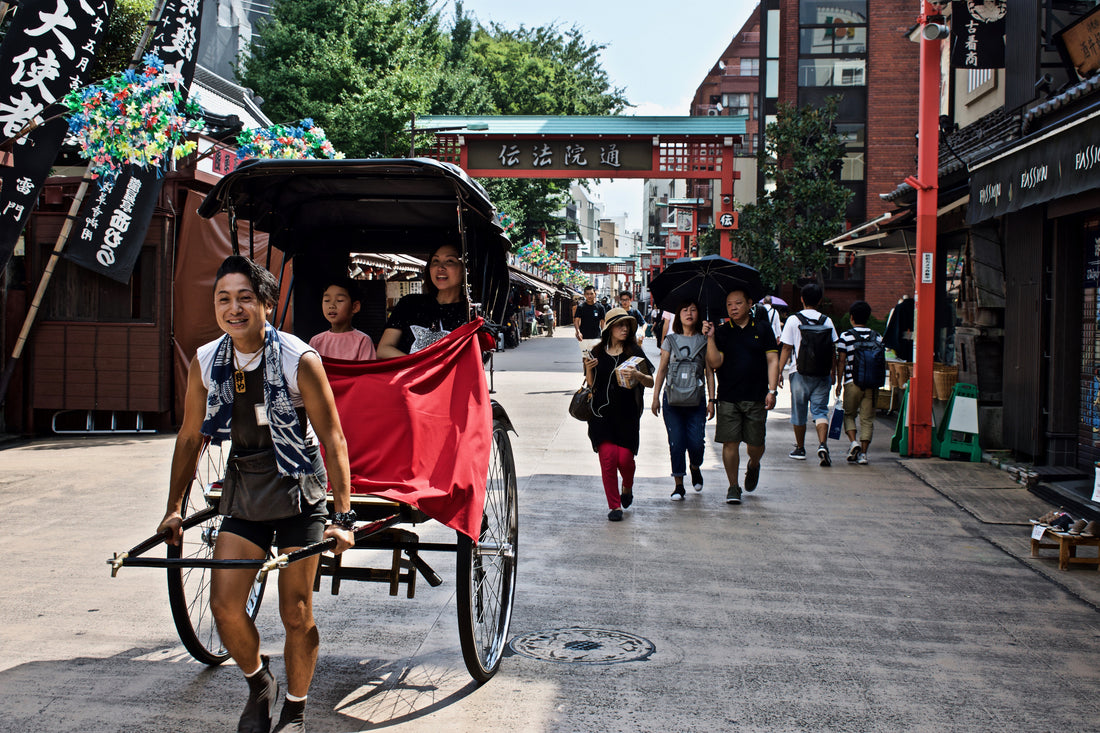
[{"x": 63, "y": 237}]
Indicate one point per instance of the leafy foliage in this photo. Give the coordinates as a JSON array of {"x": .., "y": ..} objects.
[
  {"x": 782, "y": 233},
  {"x": 360, "y": 68},
  {"x": 124, "y": 29}
]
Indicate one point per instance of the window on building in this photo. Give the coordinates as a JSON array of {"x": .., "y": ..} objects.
[
  {"x": 852, "y": 167},
  {"x": 832, "y": 11},
  {"x": 832, "y": 40},
  {"x": 738, "y": 104},
  {"x": 831, "y": 72},
  {"x": 750, "y": 67}
]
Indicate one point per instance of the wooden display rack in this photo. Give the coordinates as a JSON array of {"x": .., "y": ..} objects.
[{"x": 1067, "y": 545}]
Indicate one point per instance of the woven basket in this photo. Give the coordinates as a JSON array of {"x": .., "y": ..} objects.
[
  {"x": 944, "y": 379},
  {"x": 899, "y": 373}
]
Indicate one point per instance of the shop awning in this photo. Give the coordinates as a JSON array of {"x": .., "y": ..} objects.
[
  {"x": 395, "y": 262},
  {"x": 892, "y": 233},
  {"x": 527, "y": 280},
  {"x": 1058, "y": 163}
]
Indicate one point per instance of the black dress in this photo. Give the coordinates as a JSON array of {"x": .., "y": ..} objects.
[{"x": 617, "y": 411}]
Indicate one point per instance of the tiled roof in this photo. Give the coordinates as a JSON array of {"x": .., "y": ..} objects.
[{"x": 1057, "y": 102}]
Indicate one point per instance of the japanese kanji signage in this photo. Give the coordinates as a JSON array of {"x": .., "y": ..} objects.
[
  {"x": 978, "y": 34},
  {"x": 111, "y": 226},
  {"x": 47, "y": 52},
  {"x": 1081, "y": 41},
  {"x": 581, "y": 157}
]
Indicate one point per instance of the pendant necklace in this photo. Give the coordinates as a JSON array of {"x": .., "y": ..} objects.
[{"x": 238, "y": 375}]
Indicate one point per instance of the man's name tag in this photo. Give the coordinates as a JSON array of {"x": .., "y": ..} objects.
[
  {"x": 1037, "y": 532},
  {"x": 261, "y": 414}
]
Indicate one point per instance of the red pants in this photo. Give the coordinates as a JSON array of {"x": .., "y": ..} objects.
[{"x": 614, "y": 460}]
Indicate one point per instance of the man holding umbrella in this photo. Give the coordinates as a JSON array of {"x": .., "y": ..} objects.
[
  {"x": 742, "y": 352},
  {"x": 744, "y": 355}
]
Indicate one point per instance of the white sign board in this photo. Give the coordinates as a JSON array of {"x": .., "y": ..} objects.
[{"x": 927, "y": 266}]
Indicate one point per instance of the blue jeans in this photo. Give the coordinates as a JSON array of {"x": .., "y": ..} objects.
[
  {"x": 812, "y": 390},
  {"x": 685, "y": 433}
]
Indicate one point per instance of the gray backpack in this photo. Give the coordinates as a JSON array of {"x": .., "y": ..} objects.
[{"x": 684, "y": 385}]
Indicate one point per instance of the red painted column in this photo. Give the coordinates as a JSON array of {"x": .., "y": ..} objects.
[
  {"x": 725, "y": 236},
  {"x": 927, "y": 185}
]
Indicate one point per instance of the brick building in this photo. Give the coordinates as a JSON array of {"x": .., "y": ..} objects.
[{"x": 857, "y": 50}]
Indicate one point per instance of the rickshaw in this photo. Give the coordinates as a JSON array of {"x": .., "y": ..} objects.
[{"x": 319, "y": 212}]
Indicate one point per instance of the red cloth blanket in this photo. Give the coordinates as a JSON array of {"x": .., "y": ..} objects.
[{"x": 419, "y": 428}]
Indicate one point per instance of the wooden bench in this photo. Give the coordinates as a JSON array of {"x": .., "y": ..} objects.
[{"x": 1067, "y": 545}]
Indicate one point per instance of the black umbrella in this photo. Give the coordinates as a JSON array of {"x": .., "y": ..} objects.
[{"x": 706, "y": 279}]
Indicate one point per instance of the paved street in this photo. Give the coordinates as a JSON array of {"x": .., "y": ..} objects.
[{"x": 853, "y": 598}]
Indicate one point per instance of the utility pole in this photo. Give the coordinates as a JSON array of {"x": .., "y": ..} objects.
[{"x": 926, "y": 184}]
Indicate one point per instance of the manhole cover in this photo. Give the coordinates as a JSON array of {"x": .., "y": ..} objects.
[{"x": 582, "y": 646}]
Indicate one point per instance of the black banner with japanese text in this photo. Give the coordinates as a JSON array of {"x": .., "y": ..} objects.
[
  {"x": 48, "y": 51},
  {"x": 111, "y": 227},
  {"x": 978, "y": 34}
]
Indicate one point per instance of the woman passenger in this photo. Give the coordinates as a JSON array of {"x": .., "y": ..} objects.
[{"x": 421, "y": 319}]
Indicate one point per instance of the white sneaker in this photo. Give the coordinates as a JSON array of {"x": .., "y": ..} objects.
[
  {"x": 862, "y": 460},
  {"x": 853, "y": 452}
]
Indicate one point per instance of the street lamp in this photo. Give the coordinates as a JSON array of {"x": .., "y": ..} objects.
[{"x": 413, "y": 130}]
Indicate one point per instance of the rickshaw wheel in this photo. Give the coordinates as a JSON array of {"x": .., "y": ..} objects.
[
  {"x": 487, "y": 572},
  {"x": 189, "y": 588}
]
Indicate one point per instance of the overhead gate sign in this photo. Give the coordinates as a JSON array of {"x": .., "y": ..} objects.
[{"x": 569, "y": 157}]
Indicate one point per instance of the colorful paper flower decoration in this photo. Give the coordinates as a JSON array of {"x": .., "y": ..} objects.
[
  {"x": 535, "y": 253},
  {"x": 301, "y": 141},
  {"x": 132, "y": 118}
]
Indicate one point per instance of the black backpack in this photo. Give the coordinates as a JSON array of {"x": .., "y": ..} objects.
[
  {"x": 868, "y": 360},
  {"x": 815, "y": 351}
]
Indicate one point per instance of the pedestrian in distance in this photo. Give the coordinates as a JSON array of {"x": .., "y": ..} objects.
[
  {"x": 809, "y": 336},
  {"x": 339, "y": 304},
  {"x": 618, "y": 373},
  {"x": 626, "y": 302},
  {"x": 743, "y": 354},
  {"x": 267, "y": 392},
  {"x": 861, "y": 362},
  {"x": 588, "y": 317},
  {"x": 687, "y": 396}
]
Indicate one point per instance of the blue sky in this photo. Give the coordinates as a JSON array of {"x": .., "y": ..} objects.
[{"x": 658, "y": 51}]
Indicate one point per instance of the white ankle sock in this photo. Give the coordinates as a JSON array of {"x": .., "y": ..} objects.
[{"x": 292, "y": 698}]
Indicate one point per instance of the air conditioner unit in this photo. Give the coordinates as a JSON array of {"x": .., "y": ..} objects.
[{"x": 712, "y": 113}]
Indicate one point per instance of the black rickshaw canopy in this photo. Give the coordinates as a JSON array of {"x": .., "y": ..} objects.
[{"x": 328, "y": 209}]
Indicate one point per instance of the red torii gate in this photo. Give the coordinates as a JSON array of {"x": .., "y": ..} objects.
[{"x": 593, "y": 147}]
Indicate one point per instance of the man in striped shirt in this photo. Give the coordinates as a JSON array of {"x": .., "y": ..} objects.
[{"x": 856, "y": 399}]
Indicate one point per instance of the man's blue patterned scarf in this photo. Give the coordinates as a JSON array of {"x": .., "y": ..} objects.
[{"x": 287, "y": 434}]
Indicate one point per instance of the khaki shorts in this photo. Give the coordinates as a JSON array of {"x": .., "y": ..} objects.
[{"x": 741, "y": 422}]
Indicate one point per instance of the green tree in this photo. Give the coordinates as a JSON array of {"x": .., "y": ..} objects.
[
  {"x": 124, "y": 29},
  {"x": 782, "y": 233},
  {"x": 530, "y": 71},
  {"x": 359, "y": 68}
]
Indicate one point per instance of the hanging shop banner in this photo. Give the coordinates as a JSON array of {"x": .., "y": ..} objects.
[
  {"x": 48, "y": 51},
  {"x": 1065, "y": 164},
  {"x": 112, "y": 223},
  {"x": 978, "y": 34}
]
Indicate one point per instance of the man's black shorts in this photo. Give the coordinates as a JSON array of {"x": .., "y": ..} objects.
[{"x": 297, "y": 531}]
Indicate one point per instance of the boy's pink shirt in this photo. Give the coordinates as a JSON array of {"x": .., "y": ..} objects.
[{"x": 353, "y": 345}]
